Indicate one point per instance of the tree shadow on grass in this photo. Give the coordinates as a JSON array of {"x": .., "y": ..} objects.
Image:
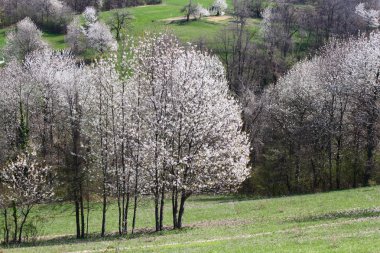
[
  {"x": 353, "y": 214},
  {"x": 223, "y": 198},
  {"x": 95, "y": 237}
]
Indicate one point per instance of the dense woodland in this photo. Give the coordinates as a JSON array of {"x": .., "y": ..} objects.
[{"x": 291, "y": 108}]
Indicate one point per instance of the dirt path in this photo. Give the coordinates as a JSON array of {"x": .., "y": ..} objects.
[{"x": 247, "y": 236}]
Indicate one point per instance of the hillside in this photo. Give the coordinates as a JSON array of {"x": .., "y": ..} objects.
[
  {"x": 343, "y": 221},
  {"x": 155, "y": 18}
]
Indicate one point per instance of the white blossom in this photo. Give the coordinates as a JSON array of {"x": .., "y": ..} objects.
[
  {"x": 25, "y": 39},
  {"x": 370, "y": 16},
  {"x": 99, "y": 37}
]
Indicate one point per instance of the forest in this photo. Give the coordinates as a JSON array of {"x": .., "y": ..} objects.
[{"x": 107, "y": 105}]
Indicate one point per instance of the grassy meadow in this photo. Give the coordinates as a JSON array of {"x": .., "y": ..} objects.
[
  {"x": 156, "y": 18},
  {"x": 342, "y": 221}
]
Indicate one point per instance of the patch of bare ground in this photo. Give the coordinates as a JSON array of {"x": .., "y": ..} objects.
[
  {"x": 215, "y": 19},
  {"x": 218, "y": 19}
]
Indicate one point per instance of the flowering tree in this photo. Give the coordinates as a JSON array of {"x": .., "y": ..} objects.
[
  {"x": 157, "y": 120},
  {"x": 105, "y": 131},
  {"x": 94, "y": 34},
  {"x": 219, "y": 7},
  {"x": 323, "y": 115},
  {"x": 24, "y": 40},
  {"x": 90, "y": 15},
  {"x": 76, "y": 36},
  {"x": 201, "y": 12},
  {"x": 27, "y": 183},
  {"x": 191, "y": 141},
  {"x": 62, "y": 89},
  {"x": 99, "y": 37},
  {"x": 370, "y": 16}
]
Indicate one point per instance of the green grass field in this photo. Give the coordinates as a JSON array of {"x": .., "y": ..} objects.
[
  {"x": 153, "y": 18},
  {"x": 344, "y": 221}
]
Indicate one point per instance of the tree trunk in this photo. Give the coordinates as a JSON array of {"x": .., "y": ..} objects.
[
  {"x": 104, "y": 210},
  {"x": 15, "y": 221},
  {"x": 88, "y": 212},
  {"x": 6, "y": 227},
  {"x": 175, "y": 206},
  {"x": 181, "y": 209},
  {"x": 338, "y": 164},
  {"x": 162, "y": 207},
  {"x": 370, "y": 150},
  {"x": 126, "y": 209},
  {"x": 22, "y": 224},
  {"x": 371, "y": 135},
  {"x": 156, "y": 210},
  {"x": 77, "y": 219},
  {"x": 134, "y": 214},
  {"x": 120, "y": 212},
  {"x": 82, "y": 212}
]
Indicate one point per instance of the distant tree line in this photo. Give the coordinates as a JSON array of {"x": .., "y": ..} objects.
[
  {"x": 51, "y": 15},
  {"x": 80, "y": 5},
  {"x": 54, "y": 15}
]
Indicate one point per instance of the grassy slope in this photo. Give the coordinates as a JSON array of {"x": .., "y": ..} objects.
[
  {"x": 2, "y": 39},
  {"x": 56, "y": 40},
  {"x": 151, "y": 18},
  {"x": 345, "y": 221}
]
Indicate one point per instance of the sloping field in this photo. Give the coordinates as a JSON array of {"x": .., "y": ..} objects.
[{"x": 344, "y": 221}]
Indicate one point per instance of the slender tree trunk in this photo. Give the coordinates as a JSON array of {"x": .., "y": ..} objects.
[
  {"x": 330, "y": 137},
  {"x": 88, "y": 212},
  {"x": 120, "y": 212},
  {"x": 370, "y": 150},
  {"x": 104, "y": 209},
  {"x": 82, "y": 212},
  {"x": 298, "y": 168},
  {"x": 156, "y": 210},
  {"x": 15, "y": 221},
  {"x": 181, "y": 209},
  {"x": 123, "y": 195},
  {"x": 134, "y": 214},
  {"x": 137, "y": 163},
  {"x": 156, "y": 186},
  {"x": 162, "y": 208},
  {"x": 126, "y": 209},
  {"x": 338, "y": 164},
  {"x": 175, "y": 206},
  {"x": 6, "y": 227},
  {"x": 125, "y": 202},
  {"x": 77, "y": 219},
  {"x": 356, "y": 158},
  {"x": 135, "y": 199},
  {"x": 343, "y": 106},
  {"x": 76, "y": 116},
  {"x": 22, "y": 224},
  {"x": 104, "y": 155}
]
